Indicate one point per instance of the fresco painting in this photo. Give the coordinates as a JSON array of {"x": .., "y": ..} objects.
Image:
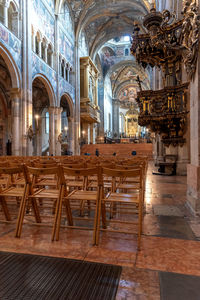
[
  {"x": 65, "y": 87},
  {"x": 12, "y": 43},
  {"x": 43, "y": 19},
  {"x": 67, "y": 21},
  {"x": 50, "y": 3},
  {"x": 66, "y": 47},
  {"x": 38, "y": 66}
]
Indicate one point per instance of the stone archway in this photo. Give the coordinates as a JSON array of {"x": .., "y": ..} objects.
[
  {"x": 42, "y": 127},
  {"x": 67, "y": 124},
  {"x": 9, "y": 105}
]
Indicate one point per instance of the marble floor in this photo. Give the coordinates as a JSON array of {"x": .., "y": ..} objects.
[{"x": 166, "y": 268}]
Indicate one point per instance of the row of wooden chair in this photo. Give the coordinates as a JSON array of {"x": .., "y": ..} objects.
[{"x": 62, "y": 184}]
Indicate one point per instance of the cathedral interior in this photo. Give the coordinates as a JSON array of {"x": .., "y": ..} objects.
[{"x": 109, "y": 87}]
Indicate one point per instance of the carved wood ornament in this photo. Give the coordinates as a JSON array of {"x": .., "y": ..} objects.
[{"x": 168, "y": 44}]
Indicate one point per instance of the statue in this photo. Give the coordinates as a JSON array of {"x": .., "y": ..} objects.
[{"x": 30, "y": 133}]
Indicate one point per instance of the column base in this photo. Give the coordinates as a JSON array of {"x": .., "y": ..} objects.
[{"x": 193, "y": 188}]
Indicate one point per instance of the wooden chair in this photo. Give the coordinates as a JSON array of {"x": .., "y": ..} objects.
[
  {"x": 11, "y": 191},
  {"x": 53, "y": 195},
  {"x": 132, "y": 201},
  {"x": 81, "y": 196}
]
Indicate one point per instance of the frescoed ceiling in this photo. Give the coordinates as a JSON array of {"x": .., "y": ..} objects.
[{"x": 103, "y": 19}]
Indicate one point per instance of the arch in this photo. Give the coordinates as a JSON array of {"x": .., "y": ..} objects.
[
  {"x": 90, "y": 11},
  {"x": 48, "y": 86},
  {"x": 69, "y": 102},
  {"x": 12, "y": 67}
]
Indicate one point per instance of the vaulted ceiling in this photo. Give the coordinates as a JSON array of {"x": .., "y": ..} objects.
[{"x": 103, "y": 20}]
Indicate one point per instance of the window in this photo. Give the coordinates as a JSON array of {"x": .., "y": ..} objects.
[
  {"x": 109, "y": 122},
  {"x": 127, "y": 38},
  {"x": 36, "y": 46},
  {"x": 126, "y": 52},
  {"x": 47, "y": 122}
]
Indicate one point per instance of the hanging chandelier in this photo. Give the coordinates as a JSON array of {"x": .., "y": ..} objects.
[{"x": 168, "y": 44}]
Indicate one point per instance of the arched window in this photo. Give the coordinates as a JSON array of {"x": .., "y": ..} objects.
[
  {"x": 47, "y": 122},
  {"x": 63, "y": 68},
  {"x": 126, "y": 52},
  {"x": 13, "y": 19},
  {"x": 36, "y": 45},
  {"x": 49, "y": 55}
]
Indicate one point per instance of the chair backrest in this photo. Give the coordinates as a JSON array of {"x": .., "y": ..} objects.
[
  {"x": 10, "y": 172},
  {"x": 137, "y": 174},
  {"x": 78, "y": 172},
  {"x": 36, "y": 172}
]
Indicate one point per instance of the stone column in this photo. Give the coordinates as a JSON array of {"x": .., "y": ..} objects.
[
  {"x": 38, "y": 132},
  {"x": 70, "y": 134},
  {"x": 33, "y": 41},
  {"x": 85, "y": 134},
  {"x": 52, "y": 130},
  {"x": 5, "y": 4},
  {"x": 77, "y": 133},
  {"x": 193, "y": 169},
  {"x": 116, "y": 104},
  {"x": 58, "y": 129},
  {"x": 86, "y": 83},
  {"x": 16, "y": 132}
]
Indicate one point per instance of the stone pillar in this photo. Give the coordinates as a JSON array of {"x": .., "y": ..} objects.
[
  {"x": 77, "y": 133},
  {"x": 52, "y": 130},
  {"x": 193, "y": 169},
  {"x": 5, "y": 12},
  {"x": 38, "y": 132},
  {"x": 116, "y": 104},
  {"x": 16, "y": 132},
  {"x": 70, "y": 134},
  {"x": 86, "y": 83},
  {"x": 92, "y": 133},
  {"x": 85, "y": 134},
  {"x": 33, "y": 41},
  {"x": 58, "y": 129}
]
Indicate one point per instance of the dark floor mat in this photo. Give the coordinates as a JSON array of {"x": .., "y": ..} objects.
[
  {"x": 175, "y": 227},
  {"x": 179, "y": 287},
  {"x": 33, "y": 277}
]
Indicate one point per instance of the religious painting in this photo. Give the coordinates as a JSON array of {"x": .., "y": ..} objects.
[
  {"x": 15, "y": 49},
  {"x": 67, "y": 21},
  {"x": 66, "y": 88},
  {"x": 50, "y": 3},
  {"x": 128, "y": 94},
  {"x": 107, "y": 59},
  {"x": 66, "y": 47},
  {"x": 43, "y": 19},
  {"x": 3, "y": 34},
  {"x": 39, "y": 66}
]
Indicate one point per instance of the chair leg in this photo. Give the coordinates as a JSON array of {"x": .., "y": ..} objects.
[
  {"x": 58, "y": 214},
  {"x": 21, "y": 212},
  {"x": 68, "y": 212},
  {"x": 140, "y": 217},
  {"x": 97, "y": 219},
  {"x": 5, "y": 208},
  {"x": 36, "y": 210}
]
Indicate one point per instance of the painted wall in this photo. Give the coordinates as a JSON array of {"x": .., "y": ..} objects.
[{"x": 83, "y": 48}]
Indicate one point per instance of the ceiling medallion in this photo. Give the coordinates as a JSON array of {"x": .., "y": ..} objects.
[{"x": 168, "y": 44}]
